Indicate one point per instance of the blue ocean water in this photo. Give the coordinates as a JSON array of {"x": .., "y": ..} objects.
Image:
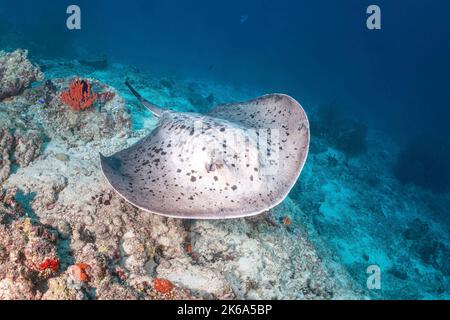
[{"x": 376, "y": 185}]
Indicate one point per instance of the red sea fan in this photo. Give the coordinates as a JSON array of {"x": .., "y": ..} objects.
[{"x": 79, "y": 97}]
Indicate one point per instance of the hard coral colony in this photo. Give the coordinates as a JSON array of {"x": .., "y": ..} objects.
[{"x": 79, "y": 97}]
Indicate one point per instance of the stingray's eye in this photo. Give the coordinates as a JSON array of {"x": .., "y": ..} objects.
[
  {"x": 210, "y": 167},
  {"x": 213, "y": 166}
]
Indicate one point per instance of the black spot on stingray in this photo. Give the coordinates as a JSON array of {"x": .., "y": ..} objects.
[
  {"x": 251, "y": 178},
  {"x": 215, "y": 178},
  {"x": 179, "y": 170},
  {"x": 234, "y": 188},
  {"x": 193, "y": 179},
  {"x": 222, "y": 129}
]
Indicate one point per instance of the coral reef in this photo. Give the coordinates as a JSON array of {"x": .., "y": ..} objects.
[
  {"x": 6, "y": 142},
  {"x": 121, "y": 252},
  {"x": 16, "y": 73},
  {"x": 28, "y": 253},
  {"x": 28, "y": 147},
  {"x": 430, "y": 250},
  {"x": 19, "y": 148},
  {"x": 79, "y": 96},
  {"x": 107, "y": 119},
  {"x": 365, "y": 216}
]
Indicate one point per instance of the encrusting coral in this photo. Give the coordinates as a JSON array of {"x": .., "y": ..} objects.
[
  {"x": 6, "y": 141},
  {"x": 162, "y": 285},
  {"x": 79, "y": 97},
  {"x": 28, "y": 252},
  {"x": 17, "y": 148},
  {"x": 16, "y": 73}
]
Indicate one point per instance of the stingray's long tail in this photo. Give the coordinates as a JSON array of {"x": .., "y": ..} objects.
[{"x": 157, "y": 111}]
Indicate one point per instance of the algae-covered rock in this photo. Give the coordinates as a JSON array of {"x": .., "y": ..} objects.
[
  {"x": 6, "y": 142},
  {"x": 17, "y": 73},
  {"x": 18, "y": 147},
  {"x": 28, "y": 253}
]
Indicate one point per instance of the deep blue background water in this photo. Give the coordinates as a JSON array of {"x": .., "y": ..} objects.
[{"x": 396, "y": 78}]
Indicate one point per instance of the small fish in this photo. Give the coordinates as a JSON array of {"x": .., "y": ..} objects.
[{"x": 243, "y": 19}]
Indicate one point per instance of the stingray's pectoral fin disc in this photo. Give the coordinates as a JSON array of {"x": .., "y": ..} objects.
[
  {"x": 114, "y": 172},
  {"x": 112, "y": 163},
  {"x": 111, "y": 167},
  {"x": 237, "y": 161}
]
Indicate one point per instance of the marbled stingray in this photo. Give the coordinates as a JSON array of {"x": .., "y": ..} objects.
[{"x": 236, "y": 160}]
